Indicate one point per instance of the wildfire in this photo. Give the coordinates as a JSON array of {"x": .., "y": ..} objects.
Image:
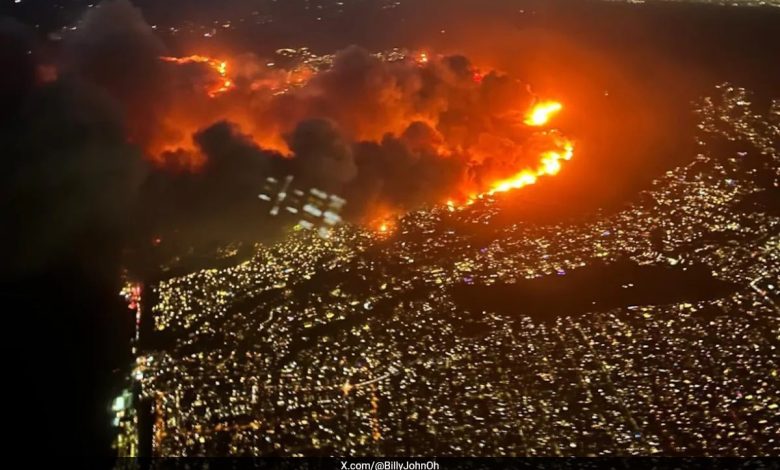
[
  {"x": 550, "y": 164},
  {"x": 268, "y": 121},
  {"x": 541, "y": 113},
  {"x": 384, "y": 226},
  {"x": 224, "y": 84}
]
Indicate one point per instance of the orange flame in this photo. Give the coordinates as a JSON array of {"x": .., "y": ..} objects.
[
  {"x": 550, "y": 164},
  {"x": 551, "y": 156},
  {"x": 224, "y": 85},
  {"x": 542, "y": 112}
]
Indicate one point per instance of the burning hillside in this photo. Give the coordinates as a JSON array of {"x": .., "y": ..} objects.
[
  {"x": 393, "y": 134},
  {"x": 387, "y": 131}
]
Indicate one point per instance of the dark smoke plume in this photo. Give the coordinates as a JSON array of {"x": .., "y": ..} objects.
[
  {"x": 70, "y": 177},
  {"x": 134, "y": 146}
]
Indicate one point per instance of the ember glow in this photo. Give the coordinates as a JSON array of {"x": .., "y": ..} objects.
[
  {"x": 541, "y": 113},
  {"x": 220, "y": 67},
  {"x": 384, "y": 225}
]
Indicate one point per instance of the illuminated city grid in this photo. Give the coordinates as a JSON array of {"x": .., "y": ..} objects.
[{"x": 355, "y": 345}]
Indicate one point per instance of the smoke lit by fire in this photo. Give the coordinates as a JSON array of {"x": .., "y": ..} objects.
[
  {"x": 387, "y": 131},
  {"x": 550, "y": 161},
  {"x": 440, "y": 127}
]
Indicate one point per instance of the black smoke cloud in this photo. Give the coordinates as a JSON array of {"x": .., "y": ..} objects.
[
  {"x": 219, "y": 202},
  {"x": 115, "y": 50},
  {"x": 394, "y": 135},
  {"x": 402, "y": 172},
  {"x": 368, "y": 97},
  {"x": 70, "y": 178},
  {"x": 418, "y": 132},
  {"x": 69, "y": 186},
  {"x": 322, "y": 156},
  {"x": 391, "y": 135}
]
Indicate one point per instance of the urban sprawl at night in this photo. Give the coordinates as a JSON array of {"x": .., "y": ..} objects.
[{"x": 656, "y": 331}]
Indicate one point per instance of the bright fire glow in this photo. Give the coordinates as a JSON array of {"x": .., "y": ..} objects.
[
  {"x": 550, "y": 164},
  {"x": 384, "y": 224},
  {"x": 224, "y": 83},
  {"x": 542, "y": 112},
  {"x": 551, "y": 153}
]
